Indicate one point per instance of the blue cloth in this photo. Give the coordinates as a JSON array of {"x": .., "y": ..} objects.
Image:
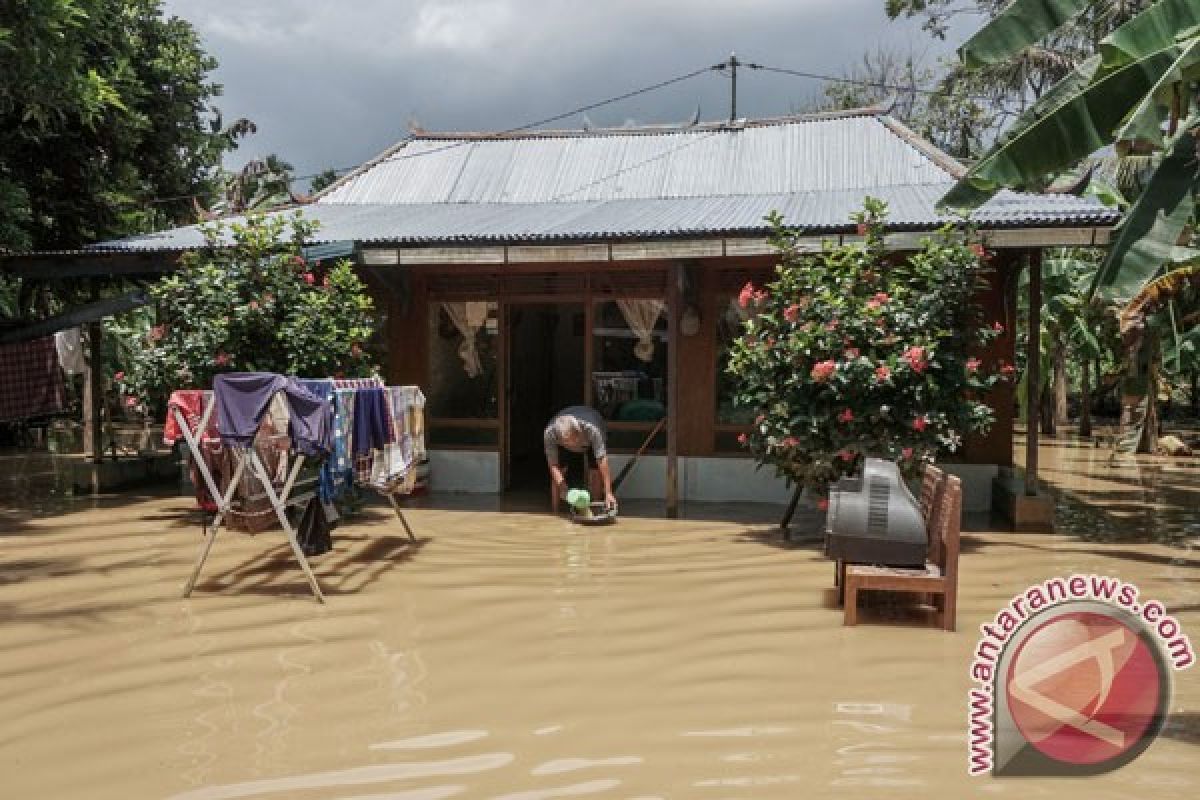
[
  {"x": 337, "y": 471},
  {"x": 243, "y": 399},
  {"x": 370, "y": 421}
]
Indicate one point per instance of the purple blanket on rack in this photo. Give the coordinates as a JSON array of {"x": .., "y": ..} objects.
[{"x": 243, "y": 398}]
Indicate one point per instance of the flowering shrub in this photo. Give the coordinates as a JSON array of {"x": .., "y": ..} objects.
[
  {"x": 851, "y": 353},
  {"x": 256, "y": 305}
]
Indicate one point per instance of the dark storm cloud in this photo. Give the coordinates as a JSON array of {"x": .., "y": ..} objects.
[{"x": 333, "y": 83}]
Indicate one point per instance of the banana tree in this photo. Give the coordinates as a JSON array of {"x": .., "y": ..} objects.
[{"x": 1137, "y": 93}]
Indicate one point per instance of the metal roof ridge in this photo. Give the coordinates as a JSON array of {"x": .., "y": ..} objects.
[{"x": 952, "y": 166}]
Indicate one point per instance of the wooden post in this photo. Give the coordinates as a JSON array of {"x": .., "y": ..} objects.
[
  {"x": 93, "y": 395},
  {"x": 503, "y": 379},
  {"x": 1033, "y": 378},
  {"x": 674, "y": 285}
]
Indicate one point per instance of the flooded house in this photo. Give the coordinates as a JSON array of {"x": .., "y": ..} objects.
[{"x": 521, "y": 272}]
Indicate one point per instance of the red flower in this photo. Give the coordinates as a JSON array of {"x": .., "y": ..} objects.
[
  {"x": 862, "y": 229},
  {"x": 760, "y": 297},
  {"x": 915, "y": 356},
  {"x": 997, "y": 327},
  {"x": 746, "y": 294},
  {"x": 309, "y": 278},
  {"x": 874, "y": 305},
  {"x": 790, "y": 441},
  {"x": 742, "y": 438},
  {"x": 221, "y": 359},
  {"x": 119, "y": 376},
  {"x": 130, "y": 401},
  {"x": 846, "y": 454},
  {"x": 846, "y": 416},
  {"x": 973, "y": 364},
  {"x": 919, "y": 424},
  {"x": 823, "y": 371},
  {"x": 823, "y": 504},
  {"x": 882, "y": 373},
  {"x": 907, "y": 453},
  {"x": 1007, "y": 370},
  {"x": 852, "y": 353},
  {"x": 882, "y": 297},
  {"x": 792, "y": 312},
  {"x": 158, "y": 332}
]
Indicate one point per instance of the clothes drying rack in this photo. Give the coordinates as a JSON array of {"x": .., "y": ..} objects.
[{"x": 280, "y": 499}]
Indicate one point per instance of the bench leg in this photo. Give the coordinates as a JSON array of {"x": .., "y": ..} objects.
[
  {"x": 949, "y": 610},
  {"x": 850, "y": 603}
]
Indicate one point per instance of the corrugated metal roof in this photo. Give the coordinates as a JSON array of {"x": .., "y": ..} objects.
[
  {"x": 912, "y": 208},
  {"x": 651, "y": 183},
  {"x": 799, "y": 155}
]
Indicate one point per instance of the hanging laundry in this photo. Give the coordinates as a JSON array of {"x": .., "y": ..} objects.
[
  {"x": 244, "y": 397},
  {"x": 69, "y": 344},
  {"x": 31, "y": 381},
  {"x": 337, "y": 471}
]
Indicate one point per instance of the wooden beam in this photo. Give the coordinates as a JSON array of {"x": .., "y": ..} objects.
[
  {"x": 93, "y": 396},
  {"x": 1033, "y": 378},
  {"x": 674, "y": 303},
  {"x": 83, "y": 264},
  {"x": 78, "y": 316}
]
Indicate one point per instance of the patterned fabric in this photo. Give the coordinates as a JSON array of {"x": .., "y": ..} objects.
[
  {"x": 191, "y": 402},
  {"x": 336, "y": 471},
  {"x": 31, "y": 383}
]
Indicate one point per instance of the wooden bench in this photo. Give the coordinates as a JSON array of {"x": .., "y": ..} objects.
[{"x": 939, "y": 576}]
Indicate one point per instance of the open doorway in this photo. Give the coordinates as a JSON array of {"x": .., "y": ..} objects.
[{"x": 545, "y": 373}]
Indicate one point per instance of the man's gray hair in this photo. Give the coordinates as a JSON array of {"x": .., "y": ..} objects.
[{"x": 567, "y": 428}]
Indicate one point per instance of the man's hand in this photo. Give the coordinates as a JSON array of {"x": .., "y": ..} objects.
[{"x": 610, "y": 501}]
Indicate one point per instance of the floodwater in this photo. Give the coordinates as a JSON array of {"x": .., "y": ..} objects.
[{"x": 514, "y": 655}]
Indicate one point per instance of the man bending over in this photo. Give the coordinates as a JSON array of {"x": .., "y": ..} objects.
[{"x": 578, "y": 429}]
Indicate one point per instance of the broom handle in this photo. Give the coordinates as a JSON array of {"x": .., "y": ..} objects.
[{"x": 629, "y": 466}]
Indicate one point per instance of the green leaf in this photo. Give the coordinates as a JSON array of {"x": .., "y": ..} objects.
[
  {"x": 1023, "y": 23},
  {"x": 1156, "y": 28},
  {"x": 1145, "y": 122},
  {"x": 1147, "y": 237}
]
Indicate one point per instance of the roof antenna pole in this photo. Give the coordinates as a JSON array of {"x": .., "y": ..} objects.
[{"x": 733, "y": 65}]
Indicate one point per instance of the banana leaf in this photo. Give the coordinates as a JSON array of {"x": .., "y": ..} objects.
[
  {"x": 1147, "y": 238},
  {"x": 1145, "y": 122},
  {"x": 1081, "y": 114},
  {"x": 1021, "y": 24}
]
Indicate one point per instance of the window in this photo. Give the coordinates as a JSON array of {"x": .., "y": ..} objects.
[
  {"x": 630, "y": 359},
  {"x": 463, "y": 360}
]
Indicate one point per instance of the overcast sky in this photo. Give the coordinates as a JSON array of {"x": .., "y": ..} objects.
[{"x": 331, "y": 83}]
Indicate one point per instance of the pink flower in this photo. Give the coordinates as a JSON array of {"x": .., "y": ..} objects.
[
  {"x": 309, "y": 278},
  {"x": 792, "y": 312},
  {"x": 119, "y": 376},
  {"x": 980, "y": 252},
  {"x": 882, "y": 373},
  {"x": 298, "y": 261},
  {"x": 1007, "y": 370},
  {"x": 846, "y": 454},
  {"x": 874, "y": 305},
  {"x": 919, "y": 424},
  {"x": 823, "y": 371},
  {"x": 882, "y": 297},
  {"x": 760, "y": 297},
  {"x": 742, "y": 438},
  {"x": 158, "y": 332},
  {"x": 760, "y": 419},
  {"x": 973, "y": 364},
  {"x": 823, "y": 504},
  {"x": 130, "y": 401},
  {"x": 907, "y": 453},
  {"x": 915, "y": 356},
  {"x": 746, "y": 294},
  {"x": 221, "y": 359},
  {"x": 852, "y": 353},
  {"x": 846, "y": 416},
  {"x": 997, "y": 327},
  {"x": 790, "y": 441},
  {"x": 862, "y": 229}
]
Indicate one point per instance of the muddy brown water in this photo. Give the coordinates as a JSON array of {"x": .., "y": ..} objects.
[{"x": 515, "y": 655}]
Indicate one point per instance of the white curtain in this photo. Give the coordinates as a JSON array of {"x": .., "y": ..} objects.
[
  {"x": 468, "y": 318},
  {"x": 640, "y": 315}
]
